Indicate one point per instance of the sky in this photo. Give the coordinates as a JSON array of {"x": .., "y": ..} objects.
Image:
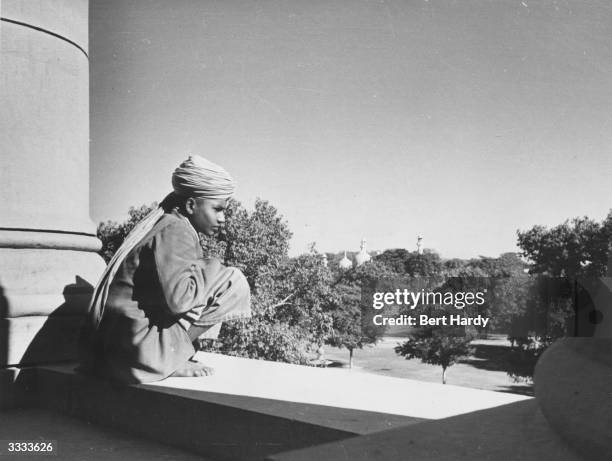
[{"x": 461, "y": 121}]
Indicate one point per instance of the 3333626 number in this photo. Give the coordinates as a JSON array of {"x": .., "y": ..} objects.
[{"x": 28, "y": 446}]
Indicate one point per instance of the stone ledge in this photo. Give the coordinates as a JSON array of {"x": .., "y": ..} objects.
[
  {"x": 336, "y": 387},
  {"x": 251, "y": 409},
  {"x": 79, "y": 441},
  {"x": 514, "y": 432},
  {"x": 215, "y": 425}
]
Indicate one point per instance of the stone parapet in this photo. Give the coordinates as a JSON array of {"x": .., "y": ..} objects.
[
  {"x": 214, "y": 425},
  {"x": 515, "y": 432}
]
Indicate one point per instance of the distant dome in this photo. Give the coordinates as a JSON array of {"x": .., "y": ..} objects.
[
  {"x": 345, "y": 263},
  {"x": 362, "y": 257}
]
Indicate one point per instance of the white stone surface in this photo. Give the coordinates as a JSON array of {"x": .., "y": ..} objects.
[{"x": 338, "y": 388}]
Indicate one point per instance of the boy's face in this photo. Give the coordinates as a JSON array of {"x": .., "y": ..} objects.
[{"x": 206, "y": 215}]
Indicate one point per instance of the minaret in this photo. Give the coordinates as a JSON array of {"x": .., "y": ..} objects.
[{"x": 363, "y": 256}]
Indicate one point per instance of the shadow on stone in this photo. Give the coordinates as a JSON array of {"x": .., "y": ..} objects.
[
  {"x": 57, "y": 338},
  {"x": 30, "y": 341}
]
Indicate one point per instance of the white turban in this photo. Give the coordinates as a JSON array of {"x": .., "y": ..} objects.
[{"x": 198, "y": 177}]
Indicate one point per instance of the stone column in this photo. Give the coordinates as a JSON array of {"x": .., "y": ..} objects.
[{"x": 48, "y": 259}]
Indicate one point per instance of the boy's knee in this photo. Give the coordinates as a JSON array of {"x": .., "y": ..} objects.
[{"x": 239, "y": 281}]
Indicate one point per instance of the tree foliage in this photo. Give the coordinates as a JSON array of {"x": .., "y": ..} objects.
[
  {"x": 580, "y": 247},
  {"x": 395, "y": 259},
  {"x": 351, "y": 324},
  {"x": 437, "y": 345},
  {"x": 112, "y": 233},
  {"x": 411, "y": 263},
  {"x": 561, "y": 256},
  {"x": 290, "y": 313},
  {"x": 540, "y": 308},
  {"x": 493, "y": 277},
  {"x": 346, "y": 318},
  {"x": 255, "y": 241}
]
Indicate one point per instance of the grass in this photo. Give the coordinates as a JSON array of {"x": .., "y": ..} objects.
[{"x": 486, "y": 369}]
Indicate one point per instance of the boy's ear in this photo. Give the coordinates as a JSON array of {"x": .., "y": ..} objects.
[{"x": 190, "y": 205}]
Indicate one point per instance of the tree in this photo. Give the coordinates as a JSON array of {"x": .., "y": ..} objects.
[
  {"x": 509, "y": 301},
  {"x": 428, "y": 263},
  {"x": 437, "y": 345},
  {"x": 560, "y": 257},
  {"x": 368, "y": 273},
  {"x": 346, "y": 320},
  {"x": 580, "y": 247},
  {"x": 395, "y": 259},
  {"x": 571, "y": 255},
  {"x": 492, "y": 277},
  {"x": 411, "y": 263},
  {"x": 112, "y": 233},
  {"x": 290, "y": 318},
  {"x": 454, "y": 266},
  {"x": 351, "y": 320},
  {"x": 254, "y": 241},
  {"x": 298, "y": 293},
  {"x": 506, "y": 265},
  {"x": 290, "y": 296}
]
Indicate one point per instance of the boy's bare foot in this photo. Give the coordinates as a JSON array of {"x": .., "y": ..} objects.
[{"x": 193, "y": 368}]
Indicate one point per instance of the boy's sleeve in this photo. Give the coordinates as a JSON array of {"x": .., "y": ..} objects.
[{"x": 179, "y": 268}]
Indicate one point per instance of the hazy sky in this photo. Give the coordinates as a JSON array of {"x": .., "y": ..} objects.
[{"x": 460, "y": 121}]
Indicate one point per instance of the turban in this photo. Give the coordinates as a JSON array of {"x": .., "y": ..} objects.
[{"x": 198, "y": 177}]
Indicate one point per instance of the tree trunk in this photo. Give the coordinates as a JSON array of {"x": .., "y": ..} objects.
[
  {"x": 350, "y": 357},
  {"x": 444, "y": 375}
]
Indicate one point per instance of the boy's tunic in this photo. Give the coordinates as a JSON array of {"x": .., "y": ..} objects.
[{"x": 163, "y": 280}]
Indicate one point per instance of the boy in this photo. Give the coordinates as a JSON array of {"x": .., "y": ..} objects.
[{"x": 158, "y": 294}]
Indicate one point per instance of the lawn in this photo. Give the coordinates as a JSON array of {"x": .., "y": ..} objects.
[{"x": 486, "y": 369}]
